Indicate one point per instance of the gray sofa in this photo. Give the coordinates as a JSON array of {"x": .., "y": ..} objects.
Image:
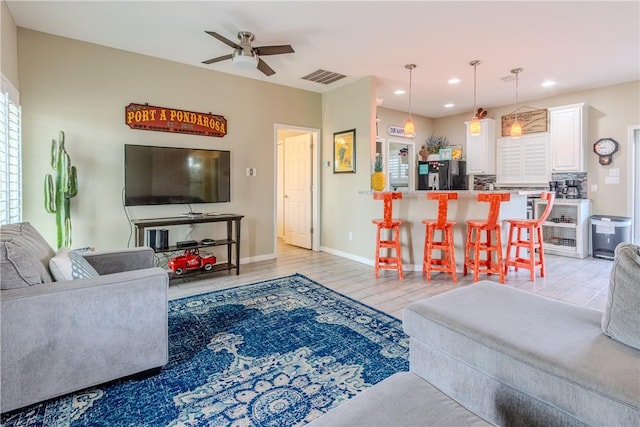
[
  {"x": 514, "y": 358},
  {"x": 62, "y": 336}
]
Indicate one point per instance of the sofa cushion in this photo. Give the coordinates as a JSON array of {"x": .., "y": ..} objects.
[
  {"x": 24, "y": 256},
  {"x": 548, "y": 350},
  {"x": 403, "y": 399},
  {"x": 70, "y": 265},
  {"x": 621, "y": 319}
]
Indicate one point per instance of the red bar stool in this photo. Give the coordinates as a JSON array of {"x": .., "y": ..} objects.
[
  {"x": 475, "y": 243},
  {"x": 447, "y": 261},
  {"x": 532, "y": 240},
  {"x": 392, "y": 243}
]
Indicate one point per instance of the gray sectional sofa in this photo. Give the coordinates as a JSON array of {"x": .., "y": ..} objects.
[
  {"x": 514, "y": 358},
  {"x": 57, "y": 337}
]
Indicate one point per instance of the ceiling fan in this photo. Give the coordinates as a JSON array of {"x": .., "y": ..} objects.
[{"x": 247, "y": 56}]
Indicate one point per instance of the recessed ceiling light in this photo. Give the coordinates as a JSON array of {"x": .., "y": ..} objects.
[
  {"x": 453, "y": 81},
  {"x": 399, "y": 92},
  {"x": 449, "y": 105},
  {"x": 548, "y": 83}
]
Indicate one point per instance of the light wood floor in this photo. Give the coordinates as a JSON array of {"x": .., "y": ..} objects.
[{"x": 583, "y": 282}]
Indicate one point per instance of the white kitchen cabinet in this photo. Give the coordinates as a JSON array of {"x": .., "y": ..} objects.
[
  {"x": 481, "y": 149},
  {"x": 566, "y": 230},
  {"x": 525, "y": 160},
  {"x": 568, "y": 131}
]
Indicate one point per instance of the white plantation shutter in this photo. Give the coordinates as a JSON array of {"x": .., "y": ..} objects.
[{"x": 10, "y": 155}]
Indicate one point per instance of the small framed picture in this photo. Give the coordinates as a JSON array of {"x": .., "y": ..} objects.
[
  {"x": 445, "y": 153},
  {"x": 456, "y": 152},
  {"x": 344, "y": 151}
]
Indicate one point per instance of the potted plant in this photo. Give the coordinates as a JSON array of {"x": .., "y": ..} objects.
[
  {"x": 378, "y": 178},
  {"x": 435, "y": 143}
]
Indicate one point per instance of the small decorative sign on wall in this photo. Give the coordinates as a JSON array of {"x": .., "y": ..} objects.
[
  {"x": 397, "y": 131},
  {"x": 147, "y": 117},
  {"x": 534, "y": 121}
]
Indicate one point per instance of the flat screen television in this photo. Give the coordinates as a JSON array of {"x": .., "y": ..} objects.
[{"x": 167, "y": 175}]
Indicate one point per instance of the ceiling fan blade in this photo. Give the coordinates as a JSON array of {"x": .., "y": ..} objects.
[
  {"x": 262, "y": 66},
  {"x": 273, "y": 50},
  {"x": 218, "y": 59},
  {"x": 224, "y": 40}
]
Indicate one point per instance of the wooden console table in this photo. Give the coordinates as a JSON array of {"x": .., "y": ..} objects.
[{"x": 230, "y": 219}]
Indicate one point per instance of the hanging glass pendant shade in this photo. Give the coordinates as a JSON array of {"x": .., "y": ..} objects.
[
  {"x": 516, "y": 129},
  {"x": 474, "y": 126},
  {"x": 409, "y": 128}
]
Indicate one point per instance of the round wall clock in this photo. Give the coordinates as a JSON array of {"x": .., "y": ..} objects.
[{"x": 604, "y": 148}]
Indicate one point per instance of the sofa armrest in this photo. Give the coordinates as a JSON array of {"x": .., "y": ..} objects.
[
  {"x": 61, "y": 337},
  {"x": 108, "y": 262}
]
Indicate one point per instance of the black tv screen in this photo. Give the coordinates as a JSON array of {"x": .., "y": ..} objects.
[{"x": 166, "y": 175}]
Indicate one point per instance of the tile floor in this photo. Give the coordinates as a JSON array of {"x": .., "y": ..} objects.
[{"x": 577, "y": 281}]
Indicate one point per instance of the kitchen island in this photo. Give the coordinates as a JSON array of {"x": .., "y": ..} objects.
[{"x": 415, "y": 207}]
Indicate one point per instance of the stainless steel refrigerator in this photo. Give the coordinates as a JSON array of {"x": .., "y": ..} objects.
[{"x": 442, "y": 175}]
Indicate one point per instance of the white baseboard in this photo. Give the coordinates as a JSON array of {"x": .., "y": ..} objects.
[
  {"x": 352, "y": 257},
  {"x": 367, "y": 261}
]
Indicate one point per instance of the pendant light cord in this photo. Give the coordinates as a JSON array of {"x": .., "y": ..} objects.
[
  {"x": 475, "y": 66},
  {"x": 516, "y": 71},
  {"x": 517, "y": 96},
  {"x": 410, "y": 88}
]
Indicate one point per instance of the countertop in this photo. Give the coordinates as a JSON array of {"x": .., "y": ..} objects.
[{"x": 422, "y": 193}]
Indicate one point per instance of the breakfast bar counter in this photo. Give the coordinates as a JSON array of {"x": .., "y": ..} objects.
[{"x": 415, "y": 207}]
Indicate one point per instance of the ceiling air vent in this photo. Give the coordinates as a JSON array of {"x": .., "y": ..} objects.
[{"x": 324, "y": 77}]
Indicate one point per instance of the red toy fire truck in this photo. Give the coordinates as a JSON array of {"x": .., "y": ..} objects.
[{"x": 191, "y": 260}]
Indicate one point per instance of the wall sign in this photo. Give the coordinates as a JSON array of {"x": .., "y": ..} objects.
[
  {"x": 531, "y": 121},
  {"x": 147, "y": 117},
  {"x": 397, "y": 131}
]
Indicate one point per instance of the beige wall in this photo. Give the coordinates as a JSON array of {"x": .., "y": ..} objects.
[
  {"x": 8, "y": 45},
  {"x": 387, "y": 117},
  {"x": 83, "y": 89},
  {"x": 350, "y": 107}
]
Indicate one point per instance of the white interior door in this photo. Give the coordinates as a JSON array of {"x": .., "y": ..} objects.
[
  {"x": 297, "y": 190},
  {"x": 280, "y": 192}
]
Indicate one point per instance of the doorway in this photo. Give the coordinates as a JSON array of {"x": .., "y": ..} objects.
[
  {"x": 401, "y": 165},
  {"x": 297, "y": 195}
]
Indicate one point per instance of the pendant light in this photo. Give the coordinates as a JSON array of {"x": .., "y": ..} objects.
[
  {"x": 409, "y": 127},
  {"x": 516, "y": 128},
  {"x": 474, "y": 126}
]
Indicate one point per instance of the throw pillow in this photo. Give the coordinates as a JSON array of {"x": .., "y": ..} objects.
[
  {"x": 70, "y": 265},
  {"x": 24, "y": 256},
  {"x": 621, "y": 319}
]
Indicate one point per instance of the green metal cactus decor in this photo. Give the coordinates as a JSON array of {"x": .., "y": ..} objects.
[{"x": 57, "y": 197}]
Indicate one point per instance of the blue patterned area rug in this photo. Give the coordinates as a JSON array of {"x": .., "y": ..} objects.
[{"x": 275, "y": 353}]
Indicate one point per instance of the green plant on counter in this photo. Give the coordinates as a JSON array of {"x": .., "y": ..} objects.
[
  {"x": 377, "y": 167},
  {"x": 435, "y": 143},
  {"x": 57, "y": 196}
]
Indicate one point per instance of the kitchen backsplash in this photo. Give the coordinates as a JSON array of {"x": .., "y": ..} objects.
[
  {"x": 488, "y": 182},
  {"x": 579, "y": 177}
]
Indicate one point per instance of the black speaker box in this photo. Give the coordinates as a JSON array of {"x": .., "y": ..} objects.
[
  {"x": 151, "y": 238},
  {"x": 162, "y": 239},
  {"x": 158, "y": 238}
]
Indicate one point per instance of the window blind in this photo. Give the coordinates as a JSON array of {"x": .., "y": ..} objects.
[{"x": 10, "y": 155}]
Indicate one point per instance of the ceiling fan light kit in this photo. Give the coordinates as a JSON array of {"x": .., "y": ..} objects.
[
  {"x": 246, "y": 56},
  {"x": 474, "y": 126},
  {"x": 244, "y": 62}
]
